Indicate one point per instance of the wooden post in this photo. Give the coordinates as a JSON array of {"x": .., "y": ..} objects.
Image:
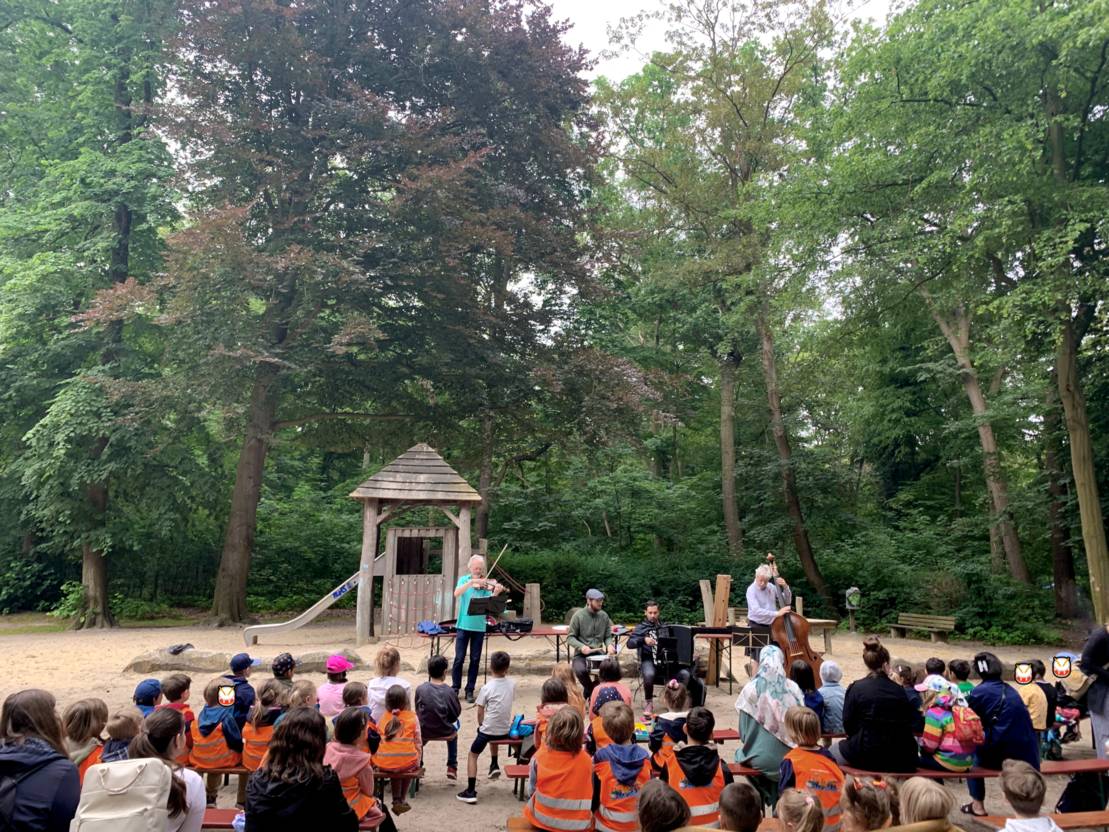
[
  {"x": 706, "y": 599},
  {"x": 800, "y": 605},
  {"x": 851, "y": 619},
  {"x": 718, "y": 618},
  {"x": 464, "y": 544},
  {"x": 532, "y": 606},
  {"x": 364, "y": 609}
]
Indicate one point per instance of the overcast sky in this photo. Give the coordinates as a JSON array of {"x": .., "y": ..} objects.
[{"x": 591, "y": 19}]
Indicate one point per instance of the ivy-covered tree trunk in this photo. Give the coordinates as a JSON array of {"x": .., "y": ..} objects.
[
  {"x": 229, "y": 602},
  {"x": 95, "y": 611},
  {"x": 732, "y": 525},
  {"x": 785, "y": 457}
]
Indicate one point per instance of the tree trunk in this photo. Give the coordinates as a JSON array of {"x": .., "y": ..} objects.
[
  {"x": 485, "y": 477},
  {"x": 957, "y": 333},
  {"x": 785, "y": 458},
  {"x": 1082, "y": 467},
  {"x": 727, "y": 454},
  {"x": 95, "y": 613},
  {"x": 1062, "y": 554},
  {"x": 229, "y": 603}
]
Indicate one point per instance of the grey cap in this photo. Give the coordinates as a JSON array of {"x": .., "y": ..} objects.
[
  {"x": 594, "y": 595},
  {"x": 830, "y": 672}
]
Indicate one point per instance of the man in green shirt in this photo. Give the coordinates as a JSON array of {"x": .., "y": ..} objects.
[{"x": 590, "y": 633}]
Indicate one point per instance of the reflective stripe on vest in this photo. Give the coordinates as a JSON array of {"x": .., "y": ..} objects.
[
  {"x": 823, "y": 779},
  {"x": 256, "y": 742},
  {"x": 358, "y": 800},
  {"x": 89, "y": 761},
  {"x": 703, "y": 801},
  {"x": 211, "y": 751},
  {"x": 618, "y": 810},
  {"x": 563, "y": 797},
  {"x": 400, "y": 752}
]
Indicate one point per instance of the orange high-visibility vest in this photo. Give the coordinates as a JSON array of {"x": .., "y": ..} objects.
[
  {"x": 618, "y": 810},
  {"x": 89, "y": 761},
  {"x": 563, "y": 796},
  {"x": 823, "y": 779},
  {"x": 600, "y": 738},
  {"x": 359, "y": 801},
  {"x": 703, "y": 801},
  {"x": 665, "y": 753},
  {"x": 400, "y": 753},
  {"x": 211, "y": 751},
  {"x": 256, "y": 742}
]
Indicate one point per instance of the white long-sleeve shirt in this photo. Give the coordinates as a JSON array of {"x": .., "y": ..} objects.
[{"x": 763, "y": 604}]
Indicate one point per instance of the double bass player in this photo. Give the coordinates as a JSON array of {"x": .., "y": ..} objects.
[{"x": 768, "y": 595}]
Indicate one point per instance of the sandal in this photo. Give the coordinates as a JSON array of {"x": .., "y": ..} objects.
[{"x": 968, "y": 809}]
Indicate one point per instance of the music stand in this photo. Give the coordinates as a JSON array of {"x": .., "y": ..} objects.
[{"x": 492, "y": 605}]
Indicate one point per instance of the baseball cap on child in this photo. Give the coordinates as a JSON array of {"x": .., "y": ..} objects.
[
  {"x": 147, "y": 691},
  {"x": 338, "y": 664},
  {"x": 282, "y": 664},
  {"x": 241, "y": 661},
  {"x": 934, "y": 682}
]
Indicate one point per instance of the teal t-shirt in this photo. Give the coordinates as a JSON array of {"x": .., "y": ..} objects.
[{"x": 472, "y": 623}]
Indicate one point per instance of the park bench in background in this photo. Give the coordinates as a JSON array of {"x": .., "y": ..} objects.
[{"x": 936, "y": 625}]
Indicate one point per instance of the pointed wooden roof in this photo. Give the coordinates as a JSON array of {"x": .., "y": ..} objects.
[{"x": 419, "y": 475}]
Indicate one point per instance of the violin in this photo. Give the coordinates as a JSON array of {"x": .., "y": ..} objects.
[{"x": 790, "y": 631}]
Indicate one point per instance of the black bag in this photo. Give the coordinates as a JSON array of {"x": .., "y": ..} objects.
[
  {"x": 1086, "y": 792},
  {"x": 516, "y": 625}
]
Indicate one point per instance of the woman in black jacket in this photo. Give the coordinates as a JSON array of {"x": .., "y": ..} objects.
[
  {"x": 1095, "y": 664},
  {"x": 293, "y": 789},
  {"x": 879, "y": 719},
  {"x": 32, "y": 752}
]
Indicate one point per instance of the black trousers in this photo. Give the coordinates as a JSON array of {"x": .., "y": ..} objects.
[
  {"x": 694, "y": 685},
  {"x": 582, "y": 668}
]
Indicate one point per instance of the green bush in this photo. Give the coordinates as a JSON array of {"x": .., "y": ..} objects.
[
  {"x": 28, "y": 584},
  {"x": 71, "y": 602},
  {"x": 136, "y": 609}
]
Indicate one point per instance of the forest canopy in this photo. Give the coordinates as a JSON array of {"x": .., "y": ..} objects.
[{"x": 798, "y": 284}]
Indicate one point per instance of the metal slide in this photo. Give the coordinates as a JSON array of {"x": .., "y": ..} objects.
[{"x": 250, "y": 634}]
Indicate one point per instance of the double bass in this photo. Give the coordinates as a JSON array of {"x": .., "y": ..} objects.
[{"x": 790, "y": 630}]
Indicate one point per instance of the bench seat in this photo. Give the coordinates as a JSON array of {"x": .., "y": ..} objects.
[
  {"x": 1064, "y": 820},
  {"x": 938, "y": 626},
  {"x": 223, "y": 818}
]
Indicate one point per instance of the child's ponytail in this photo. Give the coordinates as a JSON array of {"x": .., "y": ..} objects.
[{"x": 396, "y": 700}]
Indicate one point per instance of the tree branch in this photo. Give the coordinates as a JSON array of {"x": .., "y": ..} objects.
[{"x": 335, "y": 417}]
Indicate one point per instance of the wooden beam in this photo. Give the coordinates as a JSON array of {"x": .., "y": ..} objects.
[
  {"x": 706, "y": 599},
  {"x": 719, "y": 619},
  {"x": 364, "y": 608},
  {"x": 450, "y": 514}
]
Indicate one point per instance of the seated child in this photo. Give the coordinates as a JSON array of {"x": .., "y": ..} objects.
[
  {"x": 353, "y": 766},
  {"x": 608, "y": 674},
  {"x": 1039, "y": 671},
  {"x": 123, "y": 726},
  {"x": 84, "y": 722},
  {"x": 669, "y": 727},
  {"x": 831, "y": 721},
  {"x": 438, "y": 709},
  {"x": 1024, "y": 788},
  {"x": 696, "y": 770},
  {"x": 176, "y": 689},
  {"x": 1035, "y": 700},
  {"x": 799, "y": 811},
  {"x": 356, "y": 695},
  {"x": 801, "y": 673},
  {"x": 960, "y": 675},
  {"x": 304, "y": 695},
  {"x": 740, "y": 807},
  {"x": 257, "y": 733},
  {"x": 595, "y": 736},
  {"x": 620, "y": 770},
  {"x": 868, "y": 804},
  {"x": 552, "y": 698},
  {"x": 935, "y": 667},
  {"x": 661, "y": 809},
  {"x": 241, "y": 665},
  {"x": 217, "y": 738},
  {"x": 331, "y": 692},
  {"x": 905, "y": 675},
  {"x": 809, "y": 766},
  {"x": 923, "y": 800},
  {"x": 564, "y": 672},
  {"x": 148, "y": 696},
  {"x": 560, "y": 778},
  {"x": 494, "y": 713},
  {"x": 940, "y": 748},
  {"x": 401, "y": 745},
  {"x": 283, "y": 666}
]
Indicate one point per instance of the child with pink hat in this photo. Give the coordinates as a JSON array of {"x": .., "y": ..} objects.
[{"x": 331, "y": 693}]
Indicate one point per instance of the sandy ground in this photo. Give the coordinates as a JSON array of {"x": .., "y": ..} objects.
[{"x": 79, "y": 664}]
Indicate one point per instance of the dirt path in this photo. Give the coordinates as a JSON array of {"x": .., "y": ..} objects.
[{"x": 79, "y": 664}]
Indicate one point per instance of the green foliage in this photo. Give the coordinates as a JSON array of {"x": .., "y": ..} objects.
[
  {"x": 72, "y": 601},
  {"x": 27, "y": 584}
]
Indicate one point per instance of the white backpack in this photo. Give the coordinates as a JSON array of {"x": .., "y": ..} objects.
[{"x": 127, "y": 796}]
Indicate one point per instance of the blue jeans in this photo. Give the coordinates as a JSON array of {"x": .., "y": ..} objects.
[
  {"x": 466, "y": 640},
  {"x": 452, "y": 751}
]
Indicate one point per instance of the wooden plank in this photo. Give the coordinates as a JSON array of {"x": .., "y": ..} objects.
[
  {"x": 719, "y": 619},
  {"x": 532, "y": 604},
  {"x": 706, "y": 598}
]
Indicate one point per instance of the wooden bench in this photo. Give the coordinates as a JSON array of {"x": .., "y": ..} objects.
[
  {"x": 382, "y": 777},
  {"x": 519, "y": 824},
  {"x": 1048, "y": 768},
  {"x": 223, "y": 819},
  {"x": 937, "y": 625},
  {"x": 1064, "y": 820}
]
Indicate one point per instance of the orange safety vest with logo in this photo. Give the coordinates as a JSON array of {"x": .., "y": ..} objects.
[
  {"x": 703, "y": 801},
  {"x": 618, "y": 810},
  {"x": 400, "y": 753},
  {"x": 211, "y": 751},
  {"x": 89, "y": 761},
  {"x": 600, "y": 738},
  {"x": 823, "y": 779},
  {"x": 359, "y": 801},
  {"x": 256, "y": 742},
  {"x": 665, "y": 753},
  {"x": 563, "y": 796}
]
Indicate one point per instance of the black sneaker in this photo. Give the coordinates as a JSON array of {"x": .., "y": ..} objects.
[
  {"x": 494, "y": 771},
  {"x": 468, "y": 796},
  {"x": 469, "y": 697}
]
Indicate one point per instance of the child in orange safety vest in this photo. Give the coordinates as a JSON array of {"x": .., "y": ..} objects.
[
  {"x": 619, "y": 771},
  {"x": 561, "y": 777},
  {"x": 84, "y": 723},
  {"x": 175, "y": 690},
  {"x": 552, "y": 698},
  {"x": 217, "y": 740},
  {"x": 696, "y": 770},
  {"x": 810, "y": 767},
  {"x": 595, "y": 736},
  {"x": 354, "y": 767},
  {"x": 401, "y": 744},
  {"x": 669, "y": 727},
  {"x": 273, "y": 701}
]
